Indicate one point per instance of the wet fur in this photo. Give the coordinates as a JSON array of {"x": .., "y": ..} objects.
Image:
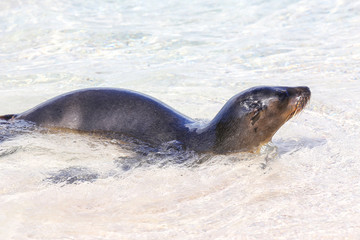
[{"x": 246, "y": 121}]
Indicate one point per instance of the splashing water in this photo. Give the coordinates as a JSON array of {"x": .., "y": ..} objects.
[{"x": 194, "y": 57}]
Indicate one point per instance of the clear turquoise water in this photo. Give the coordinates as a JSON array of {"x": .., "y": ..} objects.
[{"x": 193, "y": 56}]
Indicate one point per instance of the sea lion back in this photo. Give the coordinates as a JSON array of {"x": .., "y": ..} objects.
[{"x": 112, "y": 110}]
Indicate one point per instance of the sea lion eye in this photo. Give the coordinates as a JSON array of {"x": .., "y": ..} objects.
[
  {"x": 251, "y": 105},
  {"x": 254, "y": 105}
]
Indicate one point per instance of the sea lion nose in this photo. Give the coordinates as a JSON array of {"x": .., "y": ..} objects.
[{"x": 299, "y": 91}]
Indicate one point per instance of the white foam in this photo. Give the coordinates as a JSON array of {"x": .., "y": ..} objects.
[{"x": 193, "y": 57}]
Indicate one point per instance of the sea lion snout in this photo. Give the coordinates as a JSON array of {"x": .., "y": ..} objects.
[
  {"x": 299, "y": 97},
  {"x": 302, "y": 91}
]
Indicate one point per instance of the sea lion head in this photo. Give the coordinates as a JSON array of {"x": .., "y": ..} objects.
[{"x": 251, "y": 118}]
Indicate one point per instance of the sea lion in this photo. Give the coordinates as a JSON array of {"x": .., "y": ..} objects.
[{"x": 246, "y": 122}]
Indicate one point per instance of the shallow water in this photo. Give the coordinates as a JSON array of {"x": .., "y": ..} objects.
[{"x": 194, "y": 57}]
